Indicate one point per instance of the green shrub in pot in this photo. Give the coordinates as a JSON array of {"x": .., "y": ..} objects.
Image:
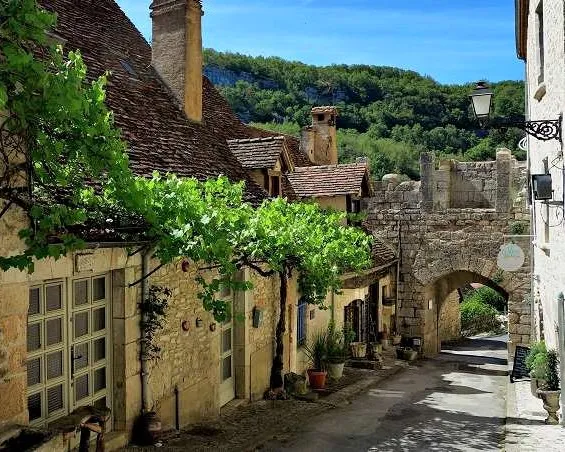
[{"x": 550, "y": 393}]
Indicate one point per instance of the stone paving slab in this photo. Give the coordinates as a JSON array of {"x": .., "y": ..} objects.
[
  {"x": 525, "y": 427},
  {"x": 247, "y": 427}
]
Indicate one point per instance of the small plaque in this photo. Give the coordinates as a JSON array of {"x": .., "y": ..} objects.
[
  {"x": 511, "y": 257},
  {"x": 84, "y": 263}
]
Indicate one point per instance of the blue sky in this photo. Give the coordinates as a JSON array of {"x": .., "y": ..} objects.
[{"x": 453, "y": 41}]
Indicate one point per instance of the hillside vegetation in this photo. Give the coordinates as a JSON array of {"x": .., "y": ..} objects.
[{"x": 385, "y": 113}]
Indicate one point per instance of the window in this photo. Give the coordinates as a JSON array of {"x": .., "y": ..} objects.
[
  {"x": 46, "y": 375},
  {"x": 301, "y": 323},
  {"x": 275, "y": 185},
  {"x": 353, "y": 207},
  {"x": 541, "y": 56},
  {"x": 68, "y": 364}
]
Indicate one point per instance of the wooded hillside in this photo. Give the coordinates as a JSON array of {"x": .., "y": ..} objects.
[{"x": 385, "y": 113}]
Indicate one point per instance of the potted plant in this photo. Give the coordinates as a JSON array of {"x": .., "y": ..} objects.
[
  {"x": 358, "y": 349},
  {"x": 337, "y": 344},
  {"x": 536, "y": 363},
  {"x": 410, "y": 354},
  {"x": 396, "y": 338},
  {"x": 550, "y": 392},
  {"x": 316, "y": 351}
]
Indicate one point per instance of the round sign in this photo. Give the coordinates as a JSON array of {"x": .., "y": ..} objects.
[{"x": 511, "y": 257}]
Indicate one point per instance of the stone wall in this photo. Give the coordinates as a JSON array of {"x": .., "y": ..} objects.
[
  {"x": 450, "y": 318},
  {"x": 13, "y": 325},
  {"x": 545, "y": 99},
  {"x": 444, "y": 248},
  {"x": 473, "y": 184},
  {"x": 190, "y": 360}
]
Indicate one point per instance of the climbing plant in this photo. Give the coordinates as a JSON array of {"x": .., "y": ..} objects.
[
  {"x": 314, "y": 244},
  {"x": 153, "y": 310},
  {"x": 64, "y": 163}
]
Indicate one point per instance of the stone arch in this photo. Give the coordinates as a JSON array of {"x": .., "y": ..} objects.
[
  {"x": 448, "y": 301},
  {"x": 436, "y": 287}
]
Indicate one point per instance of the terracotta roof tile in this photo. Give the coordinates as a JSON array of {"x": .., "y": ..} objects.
[
  {"x": 328, "y": 180},
  {"x": 257, "y": 153},
  {"x": 382, "y": 253},
  {"x": 159, "y": 135},
  {"x": 292, "y": 143}
]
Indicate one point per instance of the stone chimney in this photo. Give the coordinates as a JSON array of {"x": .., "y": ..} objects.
[
  {"x": 319, "y": 141},
  {"x": 177, "y": 50}
]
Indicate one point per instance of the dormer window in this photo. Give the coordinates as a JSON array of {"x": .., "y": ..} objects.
[{"x": 129, "y": 69}]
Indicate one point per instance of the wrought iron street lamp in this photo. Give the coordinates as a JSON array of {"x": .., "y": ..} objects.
[{"x": 481, "y": 98}]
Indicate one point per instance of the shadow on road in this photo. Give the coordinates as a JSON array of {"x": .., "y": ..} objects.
[{"x": 438, "y": 430}]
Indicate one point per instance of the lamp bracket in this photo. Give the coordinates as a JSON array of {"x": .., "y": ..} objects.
[{"x": 545, "y": 129}]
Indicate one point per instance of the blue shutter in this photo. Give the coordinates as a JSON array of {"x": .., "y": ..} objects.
[{"x": 301, "y": 328}]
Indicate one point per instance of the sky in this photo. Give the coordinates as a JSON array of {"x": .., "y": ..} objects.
[{"x": 453, "y": 41}]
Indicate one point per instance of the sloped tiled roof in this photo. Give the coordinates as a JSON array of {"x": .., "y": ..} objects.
[
  {"x": 328, "y": 180},
  {"x": 382, "y": 253},
  {"x": 293, "y": 145},
  {"x": 159, "y": 135},
  {"x": 257, "y": 153}
]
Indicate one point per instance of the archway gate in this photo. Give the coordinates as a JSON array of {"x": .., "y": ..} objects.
[{"x": 445, "y": 242}]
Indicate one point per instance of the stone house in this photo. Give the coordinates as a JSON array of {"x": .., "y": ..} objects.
[
  {"x": 69, "y": 332},
  {"x": 540, "y": 41}
]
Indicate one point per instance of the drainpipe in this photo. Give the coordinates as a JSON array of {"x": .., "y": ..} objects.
[
  {"x": 561, "y": 339},
  {"x": 333, "y": 307},
  {"x": 145, "y": 258}
]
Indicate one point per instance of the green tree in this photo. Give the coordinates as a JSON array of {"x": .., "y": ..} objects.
[{"x": 303, "y": 239}]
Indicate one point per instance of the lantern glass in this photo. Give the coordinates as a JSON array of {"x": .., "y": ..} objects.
[{"x": 481, "y": 98}]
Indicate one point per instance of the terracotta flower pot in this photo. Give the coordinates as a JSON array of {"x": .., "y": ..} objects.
[
  {"x": 317, "y": 379},
  {"x": 551, "y": 405}
]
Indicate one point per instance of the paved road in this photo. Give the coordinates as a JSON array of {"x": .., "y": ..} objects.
[{"x": 455, "y": 402}]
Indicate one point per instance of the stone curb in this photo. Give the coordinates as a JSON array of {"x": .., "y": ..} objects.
[{"x": 511, "y": 408}]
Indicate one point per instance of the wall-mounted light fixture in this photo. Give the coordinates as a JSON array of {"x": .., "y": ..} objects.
[
  {"x": 541, "y": 187},
  {"x": 481, "y": 99},
  {"x": 257, "y": 317}
]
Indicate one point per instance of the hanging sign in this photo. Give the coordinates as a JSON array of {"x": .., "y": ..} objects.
[{"x": 511, "y": 257}]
